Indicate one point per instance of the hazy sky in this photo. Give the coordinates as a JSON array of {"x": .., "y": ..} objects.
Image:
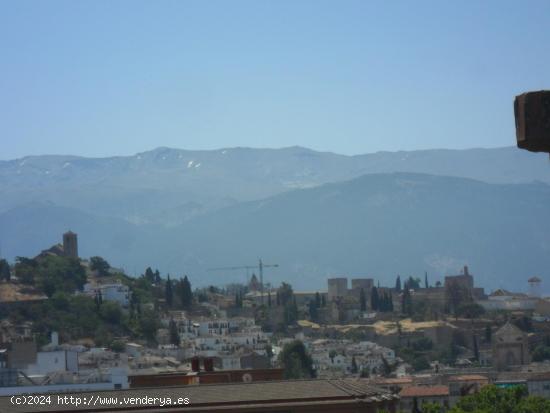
[{"x": 102, "y": 78}]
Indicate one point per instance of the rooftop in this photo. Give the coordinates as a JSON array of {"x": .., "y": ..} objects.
[
  {"x": 469, "y": 377},
  {"x": 256, "y": 395},
  {"x": 424, "y": 391}
]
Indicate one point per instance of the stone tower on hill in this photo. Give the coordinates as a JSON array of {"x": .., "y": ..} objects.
[{"x": 70, "y": 244}]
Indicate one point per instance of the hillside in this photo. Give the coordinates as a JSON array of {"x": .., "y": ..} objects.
[
  {"x": 170, "y": 186},
  {"x": 377, "y": 225}
]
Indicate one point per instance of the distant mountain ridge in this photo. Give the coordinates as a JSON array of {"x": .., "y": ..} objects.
[{"x": 170, "y": 186}]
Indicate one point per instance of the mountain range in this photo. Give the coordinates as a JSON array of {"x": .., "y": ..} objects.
[{"x": 315, "y": 214}]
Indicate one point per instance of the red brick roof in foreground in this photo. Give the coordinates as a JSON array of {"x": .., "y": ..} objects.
[{"x": 425, "y": 391}]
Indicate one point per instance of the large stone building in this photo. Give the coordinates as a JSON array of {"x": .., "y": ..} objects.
[
  {"x": 70, "y": 244},
  {"x": 358, "y": 284},
  {"x": 510, "y": 347},
  {"x": 338, "y": 287},
  {"x": 69, "y": 248}
]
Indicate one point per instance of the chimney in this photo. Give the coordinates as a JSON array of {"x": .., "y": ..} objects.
[
  {"x": 208, "y": 364},
  {"x": 195, "y": 364}
]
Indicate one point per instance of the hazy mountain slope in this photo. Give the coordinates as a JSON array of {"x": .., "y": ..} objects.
[
  {"x": 497, "y": 165},
  {"x": 27, "y": 230},
  {"x": 168, "y": 186},
  {"x": 378, "y": 225}
]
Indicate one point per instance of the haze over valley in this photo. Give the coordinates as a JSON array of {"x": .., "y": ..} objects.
[{"x": 316, "y": 214}]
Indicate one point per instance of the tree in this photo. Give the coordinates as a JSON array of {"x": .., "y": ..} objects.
[
  {"x": 25, "y": 269},
  {"x": 295, "y": 361},
  {"x": 313, "y": 315},
  {"x": 117, "y": 346},
  {"x": 238, "y": 300},
  {"x": 541, "y": 353},
  {"x": 374, "y": 300},
  {"x": 51, "y": 273},
  {"x": 469, "y": 310},
  {"x": 488, "y": 333},
  {"x": 156, "y": 277},
  {"x": 96, "y": 300},
  {"x": 269, "y": 351},
  {"x": 148, "y": 324},
  {"x": 354, "y": 367},
  {"x": 149, "y": 275},
  {"x": 398, "y": 283},
  {"x": 285, "y": 293},
  {"x": 174, "y": 334},
  {"x": 406, "y": 302},
  {"x": 99, "y": 265},
  {"x": 387, "y": 368},
  {"x": 291, "y": 312},
  {"x": 5, "y": 273},
  {"x": 476, "y": 348},
  {"x": 420, "y": 363},
  {"x": 492, "y": 399},
  {"x": 422, "y": 344},
  {"x": 111, "y": 312},
  {"x": 186, "y": 294},
  {"x": 168, "y": 292},
  {"x": 412, "y": 283},
  {"x": 363, "y": 300}
]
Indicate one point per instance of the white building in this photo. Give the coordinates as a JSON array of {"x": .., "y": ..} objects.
[{"x": 118, "y": 293}]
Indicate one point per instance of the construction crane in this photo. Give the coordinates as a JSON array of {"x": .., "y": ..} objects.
[{"x": 260, "y": 267}]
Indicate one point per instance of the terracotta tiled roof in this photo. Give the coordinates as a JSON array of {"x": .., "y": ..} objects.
[
  {"x": 424, "y": 391},
  {"x": 468, "y": 377},
  {"x": 398, "y": 380}
]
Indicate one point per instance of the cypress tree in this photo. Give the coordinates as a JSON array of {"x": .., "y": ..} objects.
[
  {"x": 363, "y": 300},
  {"x": 374, "y": 301},
  {"x": 186, "y": 293},
  {"x": 168, "y": 292},
  {"x": 312, "y": 310},
  {"x": 174, "y": 335},
  {"x": 398, "y": 283},
  {"x": 318, "y": 299}
]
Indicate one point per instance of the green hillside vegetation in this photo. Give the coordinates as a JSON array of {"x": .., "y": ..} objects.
[{"x": 77, "y": 316}]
